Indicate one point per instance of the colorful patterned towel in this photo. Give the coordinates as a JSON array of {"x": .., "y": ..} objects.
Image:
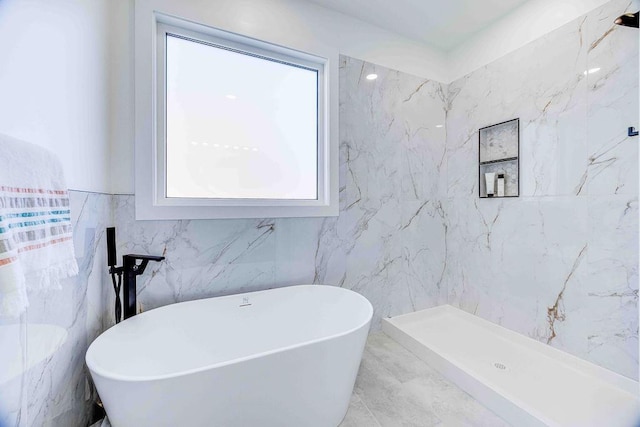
[{"x": 36, "y": 246}]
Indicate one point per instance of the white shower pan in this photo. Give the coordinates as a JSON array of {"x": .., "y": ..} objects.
[{"x": 526, "y": 382}]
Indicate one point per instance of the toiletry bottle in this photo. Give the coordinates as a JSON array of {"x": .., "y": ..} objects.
[
  {"x": 490, "y": 180},
  {"x": 500, "y": 189}
]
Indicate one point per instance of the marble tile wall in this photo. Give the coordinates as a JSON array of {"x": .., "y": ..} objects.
[
  {"x": 392, "y": 158},
  {"x": 45, "y": 383},
  {"x": 559, "y": 264},
  {"x": 388, "y": 242}
]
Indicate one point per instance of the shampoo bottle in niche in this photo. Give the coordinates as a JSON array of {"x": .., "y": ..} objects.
[
  {"x": 500, "y": 186},
  {"x": 490, "y": 180}
]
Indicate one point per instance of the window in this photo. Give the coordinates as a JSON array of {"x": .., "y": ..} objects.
[
  {"x": 242, "y": 129},
  {"x": 239, "y": 125}
]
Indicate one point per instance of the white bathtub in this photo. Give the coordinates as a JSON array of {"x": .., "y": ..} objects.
[{"x": 282, "y": 357}]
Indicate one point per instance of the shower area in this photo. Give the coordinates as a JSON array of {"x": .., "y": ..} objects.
[{"x": 559, "y": 263}]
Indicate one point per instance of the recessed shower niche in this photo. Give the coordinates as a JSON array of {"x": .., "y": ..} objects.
[{"x": 499, "y": 150}]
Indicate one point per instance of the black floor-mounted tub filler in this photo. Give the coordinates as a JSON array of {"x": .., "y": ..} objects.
[{"x": 130, "y": 270}]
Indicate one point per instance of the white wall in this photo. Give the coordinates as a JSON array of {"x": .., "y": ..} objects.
[
  {"x": 53, "y": 82},
  {"x": 527, "y": 23},
  {"x": 122, "y": 126},
  {"x": 270, "y": 20}
]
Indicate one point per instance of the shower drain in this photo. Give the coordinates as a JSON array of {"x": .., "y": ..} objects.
[{"x": 500, "y": 366}]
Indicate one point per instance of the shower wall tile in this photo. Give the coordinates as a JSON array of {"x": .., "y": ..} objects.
[
  {"x": 424, "y": 259},
  {"x": 512, "y": 258},
  {"x": 611, "y": 293},
  {"x": 544, "y": 85},
  {"x": 613, "y": 102},
  {"x": 388, "y": 242},
  {"x": 560, "y": 263}
]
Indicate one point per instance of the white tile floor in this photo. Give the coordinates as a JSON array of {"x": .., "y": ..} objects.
[{"x": 396, "y": 389}]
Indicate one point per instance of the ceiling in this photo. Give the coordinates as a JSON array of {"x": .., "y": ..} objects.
[{"x": 443, "y": 24}]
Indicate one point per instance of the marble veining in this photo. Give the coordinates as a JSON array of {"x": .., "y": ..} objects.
[
  {"x": 559, "y": 264},
  {"x": 388, "y": 242}
]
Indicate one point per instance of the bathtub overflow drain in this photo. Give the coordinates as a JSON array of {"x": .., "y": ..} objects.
[{"x": 500, "y": 366}]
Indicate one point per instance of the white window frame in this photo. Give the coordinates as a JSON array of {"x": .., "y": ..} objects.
[{"x": 150, "y": 146}]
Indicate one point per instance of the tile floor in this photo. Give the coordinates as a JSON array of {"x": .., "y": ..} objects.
[{"x": 396, "y": 389}]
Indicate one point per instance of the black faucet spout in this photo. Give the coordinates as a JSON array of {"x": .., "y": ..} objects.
[{"x": 131, "y": 270}]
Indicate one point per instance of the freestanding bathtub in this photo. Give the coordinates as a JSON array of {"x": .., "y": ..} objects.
[{"x": 282, "y": 357}]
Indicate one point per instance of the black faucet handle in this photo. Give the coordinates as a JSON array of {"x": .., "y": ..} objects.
[
  {"x": 130, "y": 262},
  {"x": 146, "y": 257}
]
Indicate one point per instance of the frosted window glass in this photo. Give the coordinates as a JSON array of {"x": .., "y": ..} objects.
[{"x": 238, "y": 126}]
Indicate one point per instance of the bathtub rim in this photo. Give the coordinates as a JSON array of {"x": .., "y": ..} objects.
[{"x": 148, "y": 378}]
